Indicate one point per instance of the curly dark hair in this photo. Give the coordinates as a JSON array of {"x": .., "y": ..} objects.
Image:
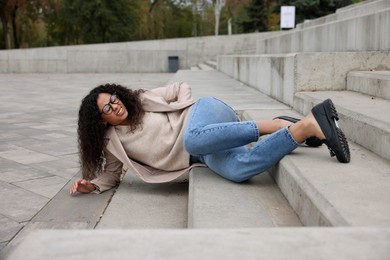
[{"x": 91, "y": 130}]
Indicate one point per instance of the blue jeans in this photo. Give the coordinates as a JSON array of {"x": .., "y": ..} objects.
[{"x": 215, "y": 136}]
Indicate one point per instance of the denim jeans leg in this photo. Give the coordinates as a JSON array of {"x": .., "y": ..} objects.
[
  {"x": 242, "y": 163},
  {"x": 213, "y": 126},
  {"x": 215, "y": 136}
]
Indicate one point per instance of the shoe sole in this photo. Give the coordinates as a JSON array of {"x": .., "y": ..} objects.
[{"x": 344, "y": 156}]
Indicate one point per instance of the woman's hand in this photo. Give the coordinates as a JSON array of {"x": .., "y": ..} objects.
[{"x": 83, "y": 186}]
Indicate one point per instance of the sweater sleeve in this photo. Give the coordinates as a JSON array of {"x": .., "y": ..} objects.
[
  {"x": 172, "y": 97},
  {"x": 176, "y": 92},
  {"x": 111, "y": 174}
]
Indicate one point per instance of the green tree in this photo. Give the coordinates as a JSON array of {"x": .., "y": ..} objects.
[
  {"x": 4, "y": 23},
  {"x": 309, "y": 9},
  {"x": 236, "y": 13},
  {"x": 179, "y": 24},
  {"x": 167, "y": 19},
  {"x": 257, "y": 16},
  {"x": 21, "y": 22},
  {"x": 100, "y": 21}
]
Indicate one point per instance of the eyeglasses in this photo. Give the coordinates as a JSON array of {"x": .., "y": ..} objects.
[{"x": 107, "y": 108}]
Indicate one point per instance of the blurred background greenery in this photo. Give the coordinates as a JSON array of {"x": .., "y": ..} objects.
[{"x": 41, "y": 23}]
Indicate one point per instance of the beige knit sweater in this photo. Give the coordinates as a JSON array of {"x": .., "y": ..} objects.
[
  {"x": 159, "y": 143},
  {"x": 155, "y": 153}
]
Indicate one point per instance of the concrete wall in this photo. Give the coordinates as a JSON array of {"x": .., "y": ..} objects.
[
  {"x": 141, "y": 56},
  {"x": 364, "y": 33},
  {"x": 350, "y": 11},
  {"x": 282, "y": 75}
]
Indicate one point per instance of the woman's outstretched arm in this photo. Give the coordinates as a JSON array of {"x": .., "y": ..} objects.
[{"x": 83, "y": 186}]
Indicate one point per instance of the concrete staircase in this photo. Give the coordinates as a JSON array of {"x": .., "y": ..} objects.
[
  {"x": 205, "y": 198},
  {"x": 344, "y": 57},
  {"x": 307, "y": 188},
  {"x": 344, "y": 207},
  {"x": 208, "y": 65}
]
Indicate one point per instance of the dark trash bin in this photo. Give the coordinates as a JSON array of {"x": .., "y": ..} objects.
[{"x": 173, "y": 63}]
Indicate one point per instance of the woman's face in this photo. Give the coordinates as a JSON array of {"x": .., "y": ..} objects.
[{"x": 112, "y": 109}]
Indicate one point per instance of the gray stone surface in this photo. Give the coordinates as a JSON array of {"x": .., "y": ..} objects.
[
  {"x": 62, "y": 212},
  {"x": 38, "y": 151},
  {"x": 9, "y": 228},
  {"x": 374, "y": 83},
  {"x": 238, "y": 95},
  {"x": 127, "y": 57},
  {"x": 282, "y": 75},
  {"x": 138, "y": 205},
  {"x": 215, "y": 202},
  {"x": 263, "y": 243},
  {"x": 19, "y": 204},
  {"x": 324, "y": 192}
]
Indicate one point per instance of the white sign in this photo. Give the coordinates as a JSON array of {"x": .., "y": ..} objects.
[{"x": 287, "y": 17}]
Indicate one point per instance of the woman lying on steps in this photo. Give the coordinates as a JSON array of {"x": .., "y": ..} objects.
[{"x": 162, "y": 133}]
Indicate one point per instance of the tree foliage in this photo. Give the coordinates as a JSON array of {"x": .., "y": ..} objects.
[
  {"x": 310, "y": 9},
  {"x": 257, "y": 16},
  {"x": 39, "y": 23},
  {"x": 167, "y": 19},
  {"x": 100, "y": 21},
  {"x": 20, "y": 23}
]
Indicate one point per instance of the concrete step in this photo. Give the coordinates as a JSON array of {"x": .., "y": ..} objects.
[
  {"x": 82, "y": 211},
  {"x": 362, "y": 33},
  {"x": 143, "y": 205},
  {"x": 364, "y": 119},
  {"x": 238, "y": 95},
  {"x": 215, "y": 202},
  {"x": 324, "y": 192},
  {"x": 350, "y": 11},
  {"x": 374, "y": 83},
  {"x": 204, "y": 66},
  {"x": 321, "y": 190},
  {"x": 281, "y": 75},
  {"x": 212, "y": 63},
  {"x": 262, "y": 243}
]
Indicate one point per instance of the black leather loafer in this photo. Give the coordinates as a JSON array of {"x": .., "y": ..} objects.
[
  {"x": 311, "y": 141},
  {"x": 326, "y": 115}
]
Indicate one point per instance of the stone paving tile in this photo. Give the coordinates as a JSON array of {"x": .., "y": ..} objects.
[
  {"x": 26, "y": 156},
  {"x": 28, "y": 131},
  {"x": 6, "y": 146},
  {"x": 47, "y": 187},
  {"x": 8, "y": 228},
  {"x": 67, "y": 173},
  {"x": 22, "y": 175},
  {"x": 3, "y": 245},
  {"x": 5, "y": 126},
  {"x": 54, "y": 148},
  {"x": 19, "y": 204},
  {"x": 10, "y": 136},
  {"x": 50, "y": 136},
  {"x": 5, "y": 115},
  {"x": 54, "y": 167},
  {"x": 24, "y": 141},
  {"x": 7, "y": 165}
]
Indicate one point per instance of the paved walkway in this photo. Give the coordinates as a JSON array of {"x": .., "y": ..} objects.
[{"x": 38, "y": 141}]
